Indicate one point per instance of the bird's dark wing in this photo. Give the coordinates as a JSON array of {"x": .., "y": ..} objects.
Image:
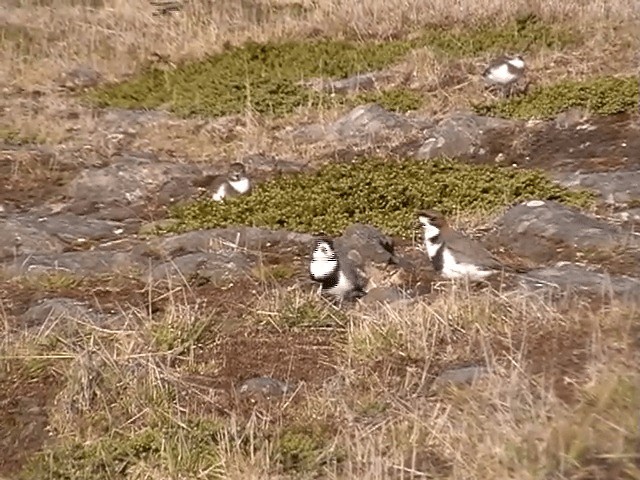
[{"x": 471, "y": 251}]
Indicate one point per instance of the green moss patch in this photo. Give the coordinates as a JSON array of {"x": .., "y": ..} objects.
[
  {"x": 269, "y": 78},
  {"x": 526, "y": 32},
  {"x": 601, "y": 96},
  {"x": 381, "y": 192},
  {"x": 170, "y": 451},
  {"x": 394, "y": 99}
]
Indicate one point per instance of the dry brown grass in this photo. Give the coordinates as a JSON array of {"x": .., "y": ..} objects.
[
  {"x": 560, "y": 400},
  {"x": 117, "y": 37}
]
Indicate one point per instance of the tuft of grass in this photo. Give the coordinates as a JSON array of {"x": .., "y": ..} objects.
[
  {"x": 601, "y": 96},
  {"x": 375, "y": 191},
  {"x": 292, "y": 310},
  {"x": 268, "y": 78}
]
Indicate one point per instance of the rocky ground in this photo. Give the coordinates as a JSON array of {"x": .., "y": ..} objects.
[{"x": 209, "y": 354}]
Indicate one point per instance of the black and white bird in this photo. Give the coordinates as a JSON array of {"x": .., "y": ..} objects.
[
  {"x": 505, "y": 71},
  {"x": 236, "y": 182},
  {"x": 337, "y": 274},
  {"x": 453, "y": 255}
]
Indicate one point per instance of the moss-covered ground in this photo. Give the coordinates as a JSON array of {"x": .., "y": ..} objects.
[
  {"x": 268, "y": 78},
  {"x": 378, "y": 191}
]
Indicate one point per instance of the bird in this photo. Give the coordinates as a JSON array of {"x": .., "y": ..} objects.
[
  {"x": 453, "y": 255},
  {"x": 236, "y": 182},
  {"x": 338, "y": 275},
  {"x": 505, "y": 71}
]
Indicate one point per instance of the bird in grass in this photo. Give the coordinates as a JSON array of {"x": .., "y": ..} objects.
[{"x": 505, "y": 71}]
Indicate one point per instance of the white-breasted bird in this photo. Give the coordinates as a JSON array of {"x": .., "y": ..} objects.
[
  {"x": 505, "y": 71},
  {"x": 338, "y": 274},
  {"x": 454, "y": 255},
  {"x": 234, "y": 183}
]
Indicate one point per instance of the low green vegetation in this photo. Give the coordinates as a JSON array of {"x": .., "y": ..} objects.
[
  {"x": 394, "y": 100},
  {"x": 270, "y": 78},
  {"x": 168, "y": 451},
  {"x": 520, "y": 35},
  {"x": 381, "y": 192},
  {"x": 600, "y": 96}
]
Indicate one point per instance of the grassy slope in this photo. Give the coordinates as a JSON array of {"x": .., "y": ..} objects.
[{"x": 149, "y": 397}]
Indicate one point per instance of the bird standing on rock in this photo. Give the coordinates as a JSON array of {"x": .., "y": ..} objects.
[{"x": 453, "y": 255}]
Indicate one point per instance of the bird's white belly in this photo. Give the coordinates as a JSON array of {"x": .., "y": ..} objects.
[
  {"x": 240, "y": 186},
  {"x": 343, "y": 287},
  {"x": 220, "y": 193},
  {"x": 454, "y": 270},
  {"x": 502, "y": 75},
  {"x": 321, "y": 268}
]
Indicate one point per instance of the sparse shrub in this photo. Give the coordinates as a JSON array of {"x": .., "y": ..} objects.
[
  {"x": 602, "y": 96},
  {"x": 381, "y": 192}
]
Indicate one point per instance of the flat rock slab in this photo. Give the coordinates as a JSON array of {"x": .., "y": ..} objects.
[
  {"x": 364, "y": 124},
  {"x": 263, "y": 387},
  {"x": 30, "y": 233},
  {"x": 537, "y": 229},
  {"x": 460, "y": 134},
  {"x": 131, "y": 179},
  {"x": 215, "y": 267},
  {"x": 578, "y": 278},
  {"x": 616, "y": 188},
  {"x": 83, "y": 263},
  {"x": 53, "y": 310},
  {"x": 371, "y": 244},
  {"x": 252, "y": 238}
]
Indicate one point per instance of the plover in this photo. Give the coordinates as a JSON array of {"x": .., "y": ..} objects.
[
  {"x": 235, "y": 182},
  {"x": 505, "y": 71},
  {"x": 452, "y": 254},
  {"x": 339, "y": 277}
]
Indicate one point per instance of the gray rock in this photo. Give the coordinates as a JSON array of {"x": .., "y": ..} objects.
[
  {"x": 252, "y": 238},
  {"x": 30, "y": 233},
  {"x": 386, "y": 295},
  {"x": 630, "y": 215},
  {"x": 364, "y": 124},
  {"x": 571, "y": 118},
  {"x": 614, "y": 187},
  {"x": 54, "y": 309},
  {"x": 263, "y": 387},
  {"x": 215, "y": 267},
  {"x": 459, "y": 134},
  {"x": 129, "y": 180},
  {"x": 270, "y": 164},
  {"x": 79, "y": 263},
  {"x": 370, "y": 120},
  {"x": 18, "y": 239},
  {"x": 368, "y": 241},
  {"x": 578, "y": 278},
  {"x": 460, "y": 376},
  {"x": 80, "y": 77},
  {"x": 537, "y": 229}
]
